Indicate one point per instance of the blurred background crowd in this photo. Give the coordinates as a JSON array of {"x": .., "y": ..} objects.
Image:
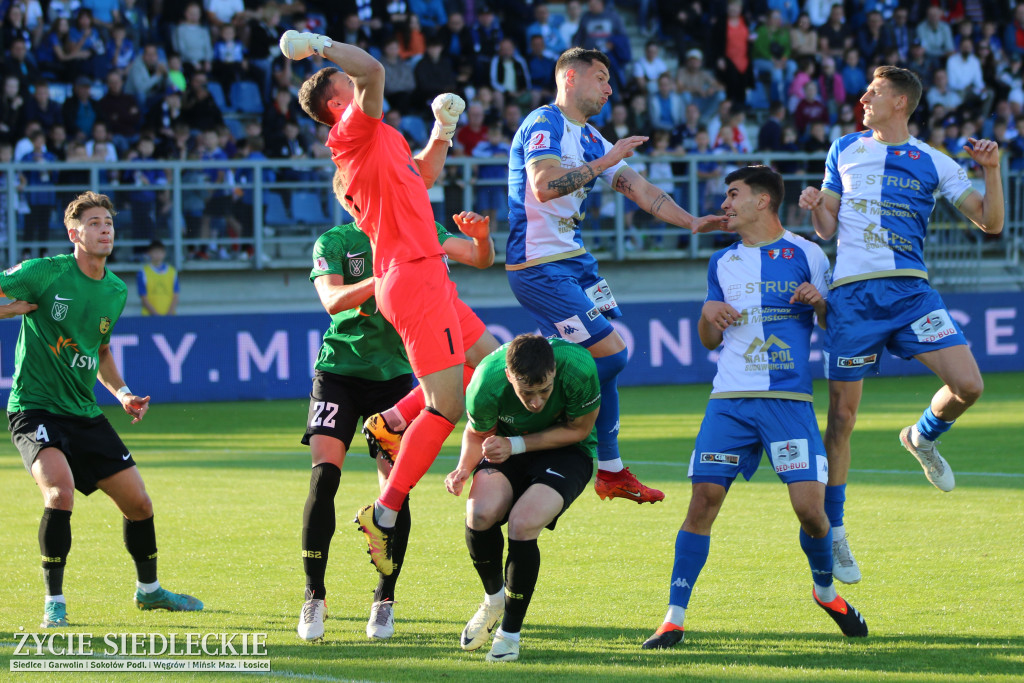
[{"x": 109, "y": 80}]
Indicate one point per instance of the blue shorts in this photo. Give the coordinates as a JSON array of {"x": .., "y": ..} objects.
[
  {"x": 901, "y": 314},
  {"x": 736, "y": 430},
  {"x": 554, "y": 294}
]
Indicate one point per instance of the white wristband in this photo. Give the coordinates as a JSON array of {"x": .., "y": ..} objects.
[
  {"x": 123, "y": 391},
  {"x": 517, "y": 443}
]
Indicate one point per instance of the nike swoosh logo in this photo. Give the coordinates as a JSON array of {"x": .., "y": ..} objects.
[
  {"x": 351, "y": 255},
  {"x": 635, "y": 495},
  {"x": 58, "y": 297},
  {"x": 551, "y": 471},
  {"x": 126, "y": 456}
]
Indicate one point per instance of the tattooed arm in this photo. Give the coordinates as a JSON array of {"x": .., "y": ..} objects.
[
  {"x": 549, "y": 180},
  {"x": 659, "y": 204}
]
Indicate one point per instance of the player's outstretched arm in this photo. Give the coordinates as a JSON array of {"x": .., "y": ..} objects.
[
  {"x": 824, "y": 210},
  {"x": 367, "y": 73},
  {"x": 715, "y": 317},
  {"x": 336, "y": 296},
  {"x": 472, "y": 454},
  {"x": 110, "y": 377},
  {"x": 988, "y": 211},
  {"x": 806, "y": 293},
  {"x": 478, "y": 250},
  {"x": 659, "y": 204},
  {"x": 549, "y": 180},
  {"x": 15, "y": 308},
  {"x": 447, "y": 108}
]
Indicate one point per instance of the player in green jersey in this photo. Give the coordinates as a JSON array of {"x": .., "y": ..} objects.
[
  {"x": 529, "y": 446},
  {"x": 361, "y": 370},
  {"x": 70, "y": 305}
]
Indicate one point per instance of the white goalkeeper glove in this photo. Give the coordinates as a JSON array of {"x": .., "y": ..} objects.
[
  {"x": 447, "y": 108},
  {"x": 295, "y": 45}
]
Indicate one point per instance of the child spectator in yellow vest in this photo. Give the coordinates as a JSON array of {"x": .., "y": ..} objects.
[{"x": 158, "y": 283}]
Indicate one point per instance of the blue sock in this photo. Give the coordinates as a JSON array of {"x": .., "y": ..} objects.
[
  {"x": 835, "y": 503},
  {"x": 929, "y": 426},
  {"x": 691, "y": 554},
  {"x": 608, "y": 369},
  {"x": 819, "y": 555}
]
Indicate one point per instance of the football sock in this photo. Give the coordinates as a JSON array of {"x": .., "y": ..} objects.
[
  {"x": 613, "y": 466},
  {"x": 819, "y": 555},
  {"x": 485, "y": 549},
  {"x": 384, "y": 517},
  {"x": 608, "y": 369},
  {"x": 930, "y": 426},
  {"x": 506, "y": 634},
  {"x": 826, "y": 593},
  {"x": 521, "y": 571},
  {"x": 399, "y": 544},
  {"x": 140, "y": 540},
  {"x": 675, "y": 615},
  {"x": 56, "y": 598},
  {"x": 420, "y": 446},
  {"x": 394, "y": 419},
  {"x": 691, "y": 554},
  {"x": 54, "y": 546},
  {"x": 147, "y": 587},
  {"x": 495, "y": 599},
  {"x": 835, "y": 504},
  {"x": 318, "y": 523},
  {"x": 410, "y": 405}
]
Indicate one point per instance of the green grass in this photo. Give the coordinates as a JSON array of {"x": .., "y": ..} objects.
[{"x": 941, "y": 592}]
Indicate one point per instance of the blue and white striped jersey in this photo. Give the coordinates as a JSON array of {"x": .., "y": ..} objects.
[
  {"x": 766, "y": 352},
  {"x": 886, "y": 195},
  {"x": 549, "y": 231}
]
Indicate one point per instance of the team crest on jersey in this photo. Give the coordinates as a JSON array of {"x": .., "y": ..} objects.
[
  {"x": 915, "y": 155},
  {"x": 357, "y": 266},
  {"x": 541, "y": 139},
  {"x": 319, "y": 263},
  {"x": 774, "y": 253},
  {"x": 59, "y": 311},
  {"x": 104, "y": 325},
  {"x": 13, "y": 269},
  {"x": 787, "y": 253},
  {"x": 898, "y": 152}
]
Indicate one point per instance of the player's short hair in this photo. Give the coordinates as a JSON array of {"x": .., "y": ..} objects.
[
  {"x": 315, "y": 93},
  {"x": 761, "y": 179},
  {"x": 82, "y": 203},
  {"x": 530, "y": 359},
  {"x": 904, "y": 82},
  {"x": 575, "y": 57}
]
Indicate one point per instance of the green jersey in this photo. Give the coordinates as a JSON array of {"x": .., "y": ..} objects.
[
  {"x": 57, "y": 356},
  {"x": 359, "y": 342},
  {"x": 491, "y": 400}
]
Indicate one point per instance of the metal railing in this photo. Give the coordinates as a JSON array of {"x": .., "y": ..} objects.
[{"x": 267, "y": 213}]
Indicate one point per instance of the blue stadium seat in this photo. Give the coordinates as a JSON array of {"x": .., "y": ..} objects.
[
  {"x": 217, "y": 93},
  {"x": 306, "y": 208},
  {"x": 276, "y": 214},
  {"x": 246, "y": 98},
  {"x": 415, "y": 128}
]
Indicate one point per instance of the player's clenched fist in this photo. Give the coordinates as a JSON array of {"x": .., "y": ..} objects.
[
  {"x": 447, "y": 108},
  {"x": 295, "y": 45},
  {"x": 810, "y": 198}
]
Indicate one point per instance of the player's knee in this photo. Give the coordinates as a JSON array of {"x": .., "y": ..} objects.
[
  {"x": 141, "y": 508},
  {"x": 813, "y": 519},
  {"x": 59, "y": 497},
  {"x": 970, "y": 391},
  {"x": 609, "y": 367},
  {"x": 524, "y": 526},
  {"x": 480, "y": 516},
  {"x": 449, "y": 406},
  {"x": 842, "y": 417}
]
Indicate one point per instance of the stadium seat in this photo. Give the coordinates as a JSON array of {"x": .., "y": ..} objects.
[
  {"x": 275, "y": 214},
  {"x": 217, "y": 93},
  {"x": 246, "y": 98},
  {"x": 415, "y": 128},
  {"x": 306, "y": 208}
]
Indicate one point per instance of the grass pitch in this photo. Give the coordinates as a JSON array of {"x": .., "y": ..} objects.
[{"x": 942, "y": 572}]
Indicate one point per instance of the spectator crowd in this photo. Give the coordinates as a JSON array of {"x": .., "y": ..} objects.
[{"x": 150, "y": 80}]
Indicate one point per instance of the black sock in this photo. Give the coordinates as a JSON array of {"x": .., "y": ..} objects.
[
  {"x": 140, "y": 540},
  {"x": 521, "y": 571},
  {"x": 54, "y": 546},
  {"x": 318, "y": 527},
  {"x": 485, "y": 549},
  {"x": 399, "y": 544}
]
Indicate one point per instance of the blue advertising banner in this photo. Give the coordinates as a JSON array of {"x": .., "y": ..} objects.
[{"x": 270, "y": 356}]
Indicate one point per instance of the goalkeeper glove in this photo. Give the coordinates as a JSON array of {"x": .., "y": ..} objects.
[
  {"x": 295, "y": 45},
  {"x": 447, "y": 108}
]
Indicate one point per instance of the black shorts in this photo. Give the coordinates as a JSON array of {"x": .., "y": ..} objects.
[
  {"x": 567, "y": 470},
  {"x": 339, "y": 403},
  {"x": 93, "y": 449}
]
